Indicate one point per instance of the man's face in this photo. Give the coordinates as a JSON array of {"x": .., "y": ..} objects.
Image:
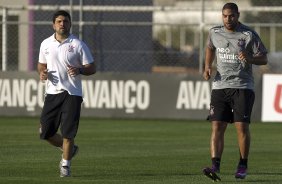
[
  {"x": 62, "y": 25},
  {"x": 230, "y": 19}
]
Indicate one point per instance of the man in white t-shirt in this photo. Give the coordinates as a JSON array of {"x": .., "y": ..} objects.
[{"x": 63, "y": 58}]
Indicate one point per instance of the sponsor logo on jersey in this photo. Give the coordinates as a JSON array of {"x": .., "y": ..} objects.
[{"x": 226, "y": 56}]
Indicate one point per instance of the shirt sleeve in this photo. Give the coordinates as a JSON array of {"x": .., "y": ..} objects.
[
  {"x": 41, "y": 57},
  {"x": 86, "y": 55},
  {"x": 257, "y": 46},
  {"x": 209, "y": 41}
]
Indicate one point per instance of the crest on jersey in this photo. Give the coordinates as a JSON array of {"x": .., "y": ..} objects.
[
  {"x": 241, "y": 44},
  {"x": 71, "y": 48},
  {"x": 46, "y": 51}
]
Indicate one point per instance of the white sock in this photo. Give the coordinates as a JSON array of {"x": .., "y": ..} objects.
[{"x": 66, "y": 163}]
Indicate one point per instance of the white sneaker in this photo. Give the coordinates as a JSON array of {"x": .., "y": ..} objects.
[
  {"x": 65, "y": 171},
  {"x": 61, "y": 164}
]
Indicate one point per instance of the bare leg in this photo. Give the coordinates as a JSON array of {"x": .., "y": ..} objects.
[
  {"x": 244, "y": 138},
  {"x": 65, "y": 162},
  {"x": 65, "y": 144},
  {"x": 217, "y": 139},
  {"x": 56, "y": 140},
  {"x": 67, "y": 148},
  {"x": 216, "y": 149}
]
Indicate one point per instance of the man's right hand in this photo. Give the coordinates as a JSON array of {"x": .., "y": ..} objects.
[
  {"x": 43, "y": 75},
  {"x": 207, "y": 74}
]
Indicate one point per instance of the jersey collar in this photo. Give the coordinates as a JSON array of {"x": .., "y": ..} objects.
[{"x": 69, "y": 39}]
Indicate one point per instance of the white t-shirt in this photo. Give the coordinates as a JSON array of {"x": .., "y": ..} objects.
[{"x": 58, "y": 56}]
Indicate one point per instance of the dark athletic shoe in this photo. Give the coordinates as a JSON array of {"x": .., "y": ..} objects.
[
  {"x": 241, "y": 172},
  {"x": 211, "y": 173}
]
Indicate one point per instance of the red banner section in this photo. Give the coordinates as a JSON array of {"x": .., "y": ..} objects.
[{"x": 272, "y": 98}]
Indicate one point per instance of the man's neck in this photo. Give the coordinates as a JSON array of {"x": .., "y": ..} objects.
[{"x": 61, "y": 38}]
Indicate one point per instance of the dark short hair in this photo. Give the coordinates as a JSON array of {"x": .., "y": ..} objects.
[
  {"x": 61, "y": 12},
  {"x": 231, "y": 6}
]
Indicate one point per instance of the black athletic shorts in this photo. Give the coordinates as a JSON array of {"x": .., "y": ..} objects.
[
  {"x": 60, "y": 110},
  {"x": 231, "y": 105}
]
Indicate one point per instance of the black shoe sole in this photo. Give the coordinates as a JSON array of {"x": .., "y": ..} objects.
[{"x": 210, "y": 174}]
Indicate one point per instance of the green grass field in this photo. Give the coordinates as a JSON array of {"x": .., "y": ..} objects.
[{"x": 135, "y": 151}]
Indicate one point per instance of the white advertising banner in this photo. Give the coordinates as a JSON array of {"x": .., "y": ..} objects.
[{"x": 272, "y": 98}]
